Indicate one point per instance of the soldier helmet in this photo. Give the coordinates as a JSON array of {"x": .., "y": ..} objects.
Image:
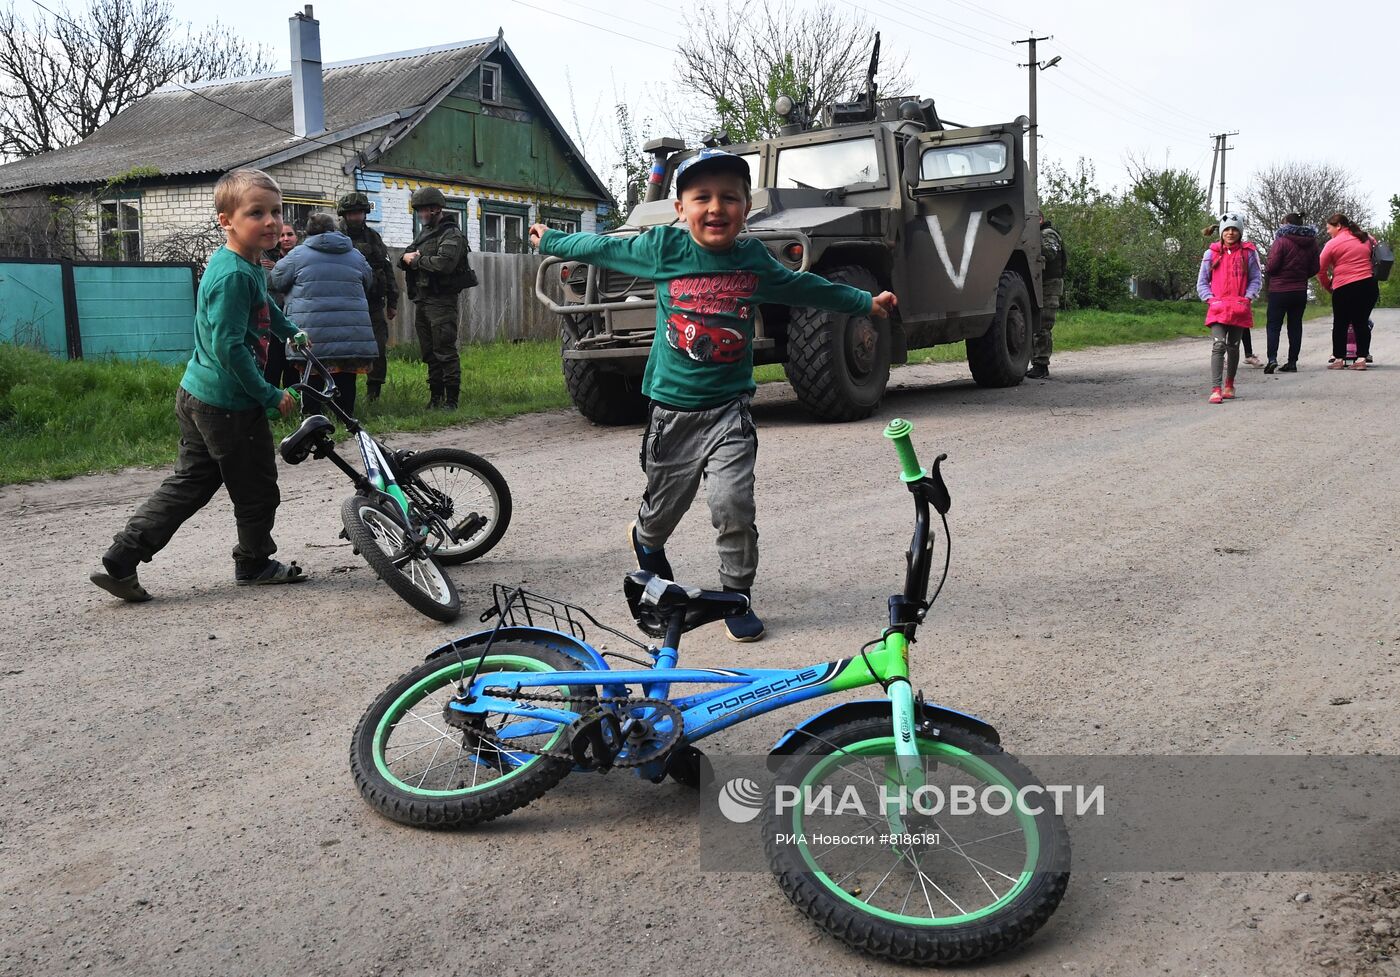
[
  {"x": 427, "y": 197},
  {"x": 353, "y": 201}
]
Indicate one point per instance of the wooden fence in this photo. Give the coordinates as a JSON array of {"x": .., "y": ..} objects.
[{"x": 502, "y": 306}]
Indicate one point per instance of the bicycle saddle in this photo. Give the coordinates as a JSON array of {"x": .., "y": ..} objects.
[
  {"x": 654, "y": 600},
  {"x": 297, "y": 446}
]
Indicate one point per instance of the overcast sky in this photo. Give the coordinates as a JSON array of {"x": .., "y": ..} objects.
[{"x": 1152, "y": 80}]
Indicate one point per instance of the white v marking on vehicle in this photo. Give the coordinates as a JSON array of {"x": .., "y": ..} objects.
[{"x": 935, "y": 228}]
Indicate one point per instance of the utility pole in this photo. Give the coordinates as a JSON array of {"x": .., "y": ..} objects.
[
  {"x": 1214, "y": 162},
  {"x": 1036, "y": 67},
  {"x": 1221, "y": 149}
]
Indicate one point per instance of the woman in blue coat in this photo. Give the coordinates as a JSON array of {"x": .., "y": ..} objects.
[{"x": 327, "y": 281}]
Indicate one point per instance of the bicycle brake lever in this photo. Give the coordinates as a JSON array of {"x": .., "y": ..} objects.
[{"x": 938, "y": 495}]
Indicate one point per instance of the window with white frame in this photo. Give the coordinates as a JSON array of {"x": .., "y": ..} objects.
[
  {"x": 295, "y": 210},
  {"x": 490, "y": 83},
  {"x": 119, "y": 222},
  {"x": 568, "y": 221},
  {"x": 503, "y": 228}
]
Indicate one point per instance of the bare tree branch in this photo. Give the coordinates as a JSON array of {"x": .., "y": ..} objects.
[
  {"x": 742, "y": 56},
  {"x": 1314, "y": 190},
  {"x": 62, "y": 77}
]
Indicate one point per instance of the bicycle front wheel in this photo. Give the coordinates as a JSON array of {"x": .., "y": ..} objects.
[
  {"x": 414, "y": 766},
  {"x": 467, "y": 493},
  {"x": 413, "y": 575},
  {"x": 919, "y": 877}
]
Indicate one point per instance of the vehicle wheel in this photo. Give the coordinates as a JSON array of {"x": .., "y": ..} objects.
[
  {"x": 379, "y": 538},
  {"x": 948, "y": 887},
  {"x": 602, "y": 396},
  {"x": 415, "y": 768},
  {"x": 464, "y": 490},
  {"x": 839, "y": 364},
  {"x": 1000, "y": 356}
]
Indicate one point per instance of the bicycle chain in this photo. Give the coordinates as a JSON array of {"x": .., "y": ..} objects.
[{"x": 636, "y": 756}]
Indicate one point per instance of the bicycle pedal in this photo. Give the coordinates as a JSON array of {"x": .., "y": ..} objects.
[
  {"x": 688, "y": 767},
  {"x": 596, "y": 740}
]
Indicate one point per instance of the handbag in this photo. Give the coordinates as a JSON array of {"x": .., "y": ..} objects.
[{"x": 1382, "y": 257}]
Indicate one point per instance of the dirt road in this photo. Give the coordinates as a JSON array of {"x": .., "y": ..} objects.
[{"x": 1133, "y": 571}]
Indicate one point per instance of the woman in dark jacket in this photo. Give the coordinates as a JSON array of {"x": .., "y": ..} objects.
[
  {"x": 1292, "y": 261},
  {"x": 327, "y": 283}
]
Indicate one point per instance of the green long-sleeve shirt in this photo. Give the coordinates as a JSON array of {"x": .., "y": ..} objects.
[
  {"x": 705, "y": 305},
  {"x": 232, "y": 313}
]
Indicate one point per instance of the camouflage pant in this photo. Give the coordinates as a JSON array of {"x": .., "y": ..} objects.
[
  {"x": 436, "y": 323},
  {"x": 380, "y": 369},
  {"x": 1053, "y": 290}
]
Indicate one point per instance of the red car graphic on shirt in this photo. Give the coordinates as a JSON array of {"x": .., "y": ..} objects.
[{"x": 705, "y": 343}]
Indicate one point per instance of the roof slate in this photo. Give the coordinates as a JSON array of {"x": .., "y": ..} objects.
[{"x": 206, "y": 128}]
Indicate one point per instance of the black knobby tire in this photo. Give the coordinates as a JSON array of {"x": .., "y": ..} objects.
[
  {"x": 473, "y": 485},
  {"x": 862, "y": 908},
  {"x": 1000, "y": 356},
  {"x": 421, "y": 582},
  {"x": 432, "y": 780},
  {"x": 602, "y": 396},
  {"x": 839, "y": 364}
]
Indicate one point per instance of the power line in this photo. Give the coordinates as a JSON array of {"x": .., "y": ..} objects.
[
  {"x": 214, "y": 101},
  {"x": 1103, "y": 72},
  {"x": 596, "y": 27}
]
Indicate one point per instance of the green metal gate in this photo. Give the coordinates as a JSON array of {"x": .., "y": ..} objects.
[{"x": 142, "y": 310}]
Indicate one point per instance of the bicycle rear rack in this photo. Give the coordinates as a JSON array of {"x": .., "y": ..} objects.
[{"x": 517, "y": 607}]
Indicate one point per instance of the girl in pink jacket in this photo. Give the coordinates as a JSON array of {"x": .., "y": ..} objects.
[
  {"x": 1229, "y": 281},
  {"x": 1344, "y": 269}
]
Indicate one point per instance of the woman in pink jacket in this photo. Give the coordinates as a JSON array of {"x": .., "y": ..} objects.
[
  {"x": 1229, "y": 281},
  {"x": 1344, "y": 269}
]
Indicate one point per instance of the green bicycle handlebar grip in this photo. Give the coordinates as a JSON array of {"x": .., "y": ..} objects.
[
  {"x": 273, "y": 413},
  {"x": 898, "y": 431}
]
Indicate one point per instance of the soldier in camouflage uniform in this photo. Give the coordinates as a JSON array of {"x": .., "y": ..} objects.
[
  {"x": 437, "y": 268},
  {"x": 353, "y": 209},
  {"x": 1052, "y": 287}
]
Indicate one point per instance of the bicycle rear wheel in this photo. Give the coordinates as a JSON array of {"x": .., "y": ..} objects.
[
  {"x": 383, "y": 542},
  {"x": 467, "y": 493},
  {"x": 414, "y": 767},
  {"x": 951, "y": 886}
]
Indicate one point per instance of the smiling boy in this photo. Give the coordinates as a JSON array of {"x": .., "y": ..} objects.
[
  {"x": 222, "y": 404},
  {"x": 700, "y": 380}
]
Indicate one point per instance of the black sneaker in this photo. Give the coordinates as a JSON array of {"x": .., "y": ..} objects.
[
  {"x": 746, "y": 627},
  {"x": 1289, "y": 367},
  {"x": 1039, "y": 371},
  {"x": 1271, "y": 366},
  {"x": 652, "y": 561}
]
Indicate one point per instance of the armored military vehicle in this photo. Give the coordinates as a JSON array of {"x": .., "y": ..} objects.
[{"x": 881, "y": 195}]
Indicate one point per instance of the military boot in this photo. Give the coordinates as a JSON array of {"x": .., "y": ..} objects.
[
  {"x": 372, "y": 391},
  {"x": 434, "y": 396},
  {"x": 450, "y": 396}
]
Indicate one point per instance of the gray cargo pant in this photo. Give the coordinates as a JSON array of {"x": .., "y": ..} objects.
[
  {"x": 720, "y": 446},
  {"x": 1052, "y": 291}
]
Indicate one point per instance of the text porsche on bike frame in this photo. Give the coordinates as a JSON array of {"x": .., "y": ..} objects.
[{"x": 958, "y": 800}]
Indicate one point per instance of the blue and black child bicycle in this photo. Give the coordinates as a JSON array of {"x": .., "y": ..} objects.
[
  {"x": 413, "y": 512},
  {"x": 897, "y": 825}
]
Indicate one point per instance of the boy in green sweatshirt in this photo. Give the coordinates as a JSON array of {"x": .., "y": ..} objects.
[
  {"x": 222, "y": 404},
  {"x": 700, "y": 378}
]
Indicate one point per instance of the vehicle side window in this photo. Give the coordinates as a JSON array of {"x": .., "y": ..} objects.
[
  {"x": 951, "y": 162},
  {"x": 828, "y": 165}
]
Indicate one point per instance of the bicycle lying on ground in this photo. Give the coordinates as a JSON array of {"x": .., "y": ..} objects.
[
  {"x": 493, "y": 720},
  {"x": 413, "y": 511}
]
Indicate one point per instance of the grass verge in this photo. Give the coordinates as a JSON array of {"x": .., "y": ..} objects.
[{"x": 59, "y": 419}]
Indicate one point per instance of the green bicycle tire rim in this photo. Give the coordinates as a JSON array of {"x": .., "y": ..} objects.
[
  {"x": 967, "y": 762},
  {"x": 416, "y": 692}
]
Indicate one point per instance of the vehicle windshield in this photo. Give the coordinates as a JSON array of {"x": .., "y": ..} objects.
[
  {"x": 978, "y": 159},
  {"x": 753, "y": 159},
  {"x": 828, "y": 165}
]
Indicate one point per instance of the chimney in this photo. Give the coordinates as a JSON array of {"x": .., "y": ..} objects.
[{"x": 308, "y": 98}]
